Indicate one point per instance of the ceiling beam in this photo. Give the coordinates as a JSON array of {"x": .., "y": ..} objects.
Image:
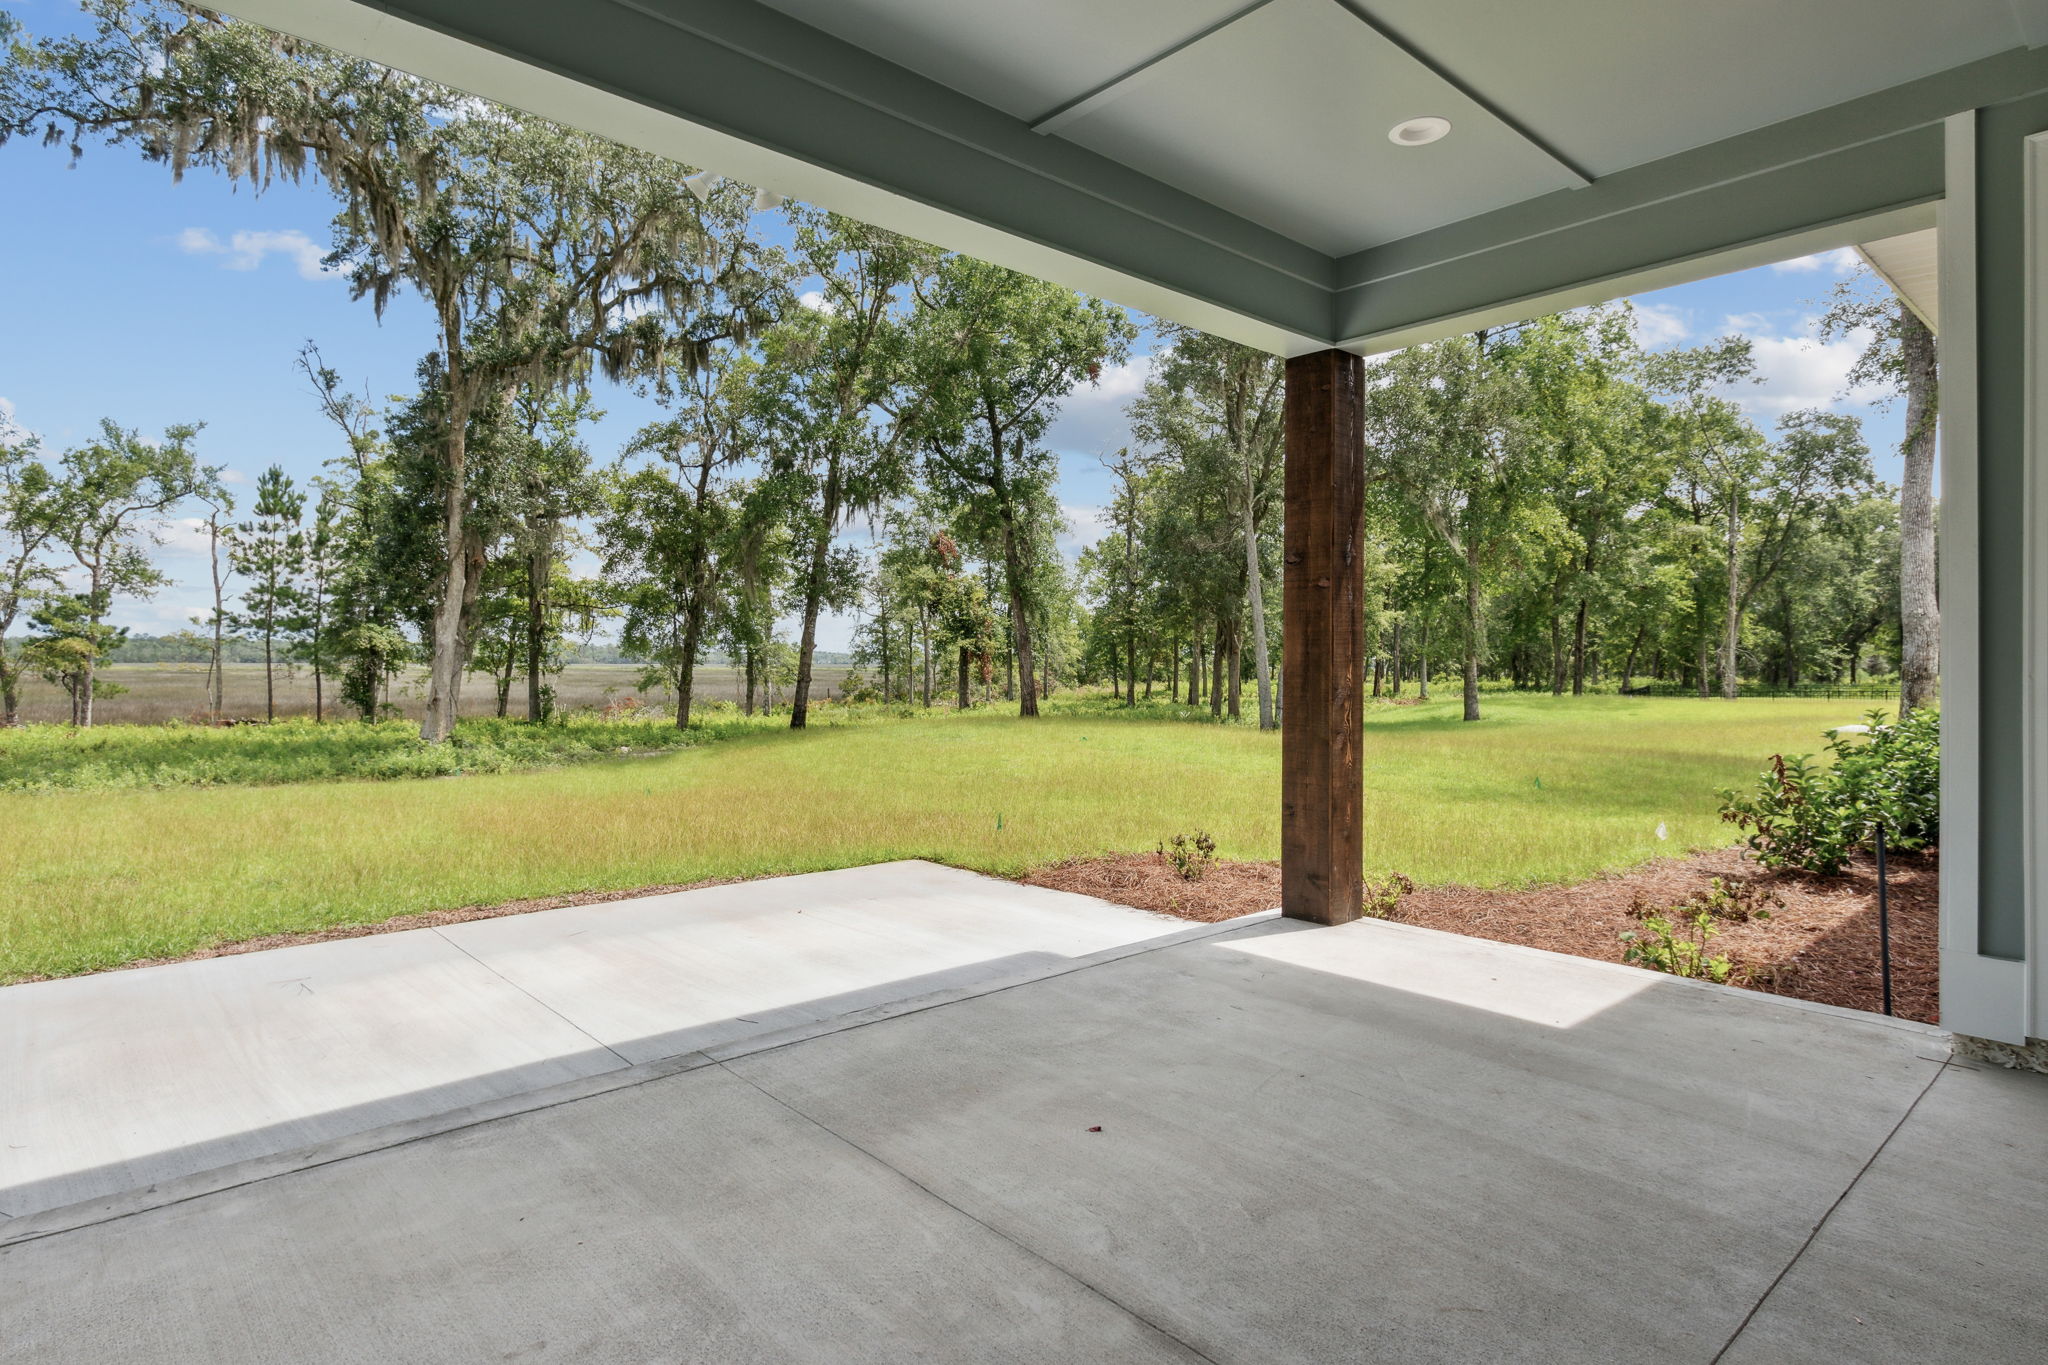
[
  {"x": 740, "y": 88},
  {"x": 1088, "y": 101},
  {"x": 1777, "y": 191}
]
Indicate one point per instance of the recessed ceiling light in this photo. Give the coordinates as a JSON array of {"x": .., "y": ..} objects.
[{"x": 1418, "y": 132}]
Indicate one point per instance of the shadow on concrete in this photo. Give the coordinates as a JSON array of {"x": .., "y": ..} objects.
[{"x": 150, "y": 1168}]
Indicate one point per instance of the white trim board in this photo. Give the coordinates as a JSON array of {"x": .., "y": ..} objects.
[
  {"x": 2034, "y": 710},
  {"x": 1981, "y": 996}
]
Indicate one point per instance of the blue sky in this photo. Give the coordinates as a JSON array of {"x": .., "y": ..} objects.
[{"x": 154, "y": 303}]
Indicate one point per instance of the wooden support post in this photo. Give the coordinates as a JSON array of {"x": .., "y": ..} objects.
[{"x": 1322, "y": 778}]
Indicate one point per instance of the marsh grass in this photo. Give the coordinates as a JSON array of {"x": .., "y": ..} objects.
[
  {"x": 1543, "y": 790},
  {"x": 49, "y": 758}
]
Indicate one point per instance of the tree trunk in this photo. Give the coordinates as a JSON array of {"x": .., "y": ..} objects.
[
  {"x": 1473, "y": 622},
  {"x": 1216, "y": 657},
  {"x": 1731, "y": 632},
  {"x": 538, "y": 564},
  {"x": 814, "y": 596},
  {"x": 752, "y": 667},
  {"x": 445, "y": 661},
  {"x": 1919, "y": 612},
  {"x": 924, "y": 631},
  {"x": 1020, "y": 620},
  {"x": 504, "y": 676},
  {"x": 1394, "y": 666},
  {"x": 1422, "y": 664},
  {"x": 966, "y": 701},
  {"x": 1557, "y": 657},
  {"x": 686, "y": 666},
  {"x": 1628, "y": 666},
  {"x": 1579, "y": 651},
  {"x": 1236, "y": 671},
  {"x": 1256, "y": 591}
]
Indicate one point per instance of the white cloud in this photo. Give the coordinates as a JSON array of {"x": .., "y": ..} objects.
[
  {"x": 245, "y": 250},
  {"x": 815, "y": 300},
  {"x": 1841, "y": 261},
  {"x": 1085, "y": 526},
  {"x": 1660, "y": 324},
  {"x": 1092, "y": 419},
  {"x": 11, "y": 430},
  {"x": 1799, "y": 370},
  {"x": 233, "y": 476}
]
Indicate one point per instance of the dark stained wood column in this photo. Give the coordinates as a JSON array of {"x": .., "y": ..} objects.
[{"x": 1322, "y": 777}]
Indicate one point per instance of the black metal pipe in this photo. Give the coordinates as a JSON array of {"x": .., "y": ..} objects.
[{"x": 1884, "y": 923}]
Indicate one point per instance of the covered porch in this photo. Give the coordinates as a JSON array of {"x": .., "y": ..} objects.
[{"x": 1301, "y": 1136}]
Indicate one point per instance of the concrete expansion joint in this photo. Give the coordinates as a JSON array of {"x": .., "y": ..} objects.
[
  {"x": 623, "y": 1060},
  {"x": 1814, "y": 1235},
  {"x": 1064, "y": 1271}
]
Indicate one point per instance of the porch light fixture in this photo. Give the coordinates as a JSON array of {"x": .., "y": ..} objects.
[
  {"x": 1418, "y": 132},
  {"x": 766, "y": 200},
  {"x": 699, "y": 184}
]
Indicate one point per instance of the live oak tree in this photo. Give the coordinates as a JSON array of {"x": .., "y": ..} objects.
[
  {"x": 111, "y": 497},
  {"x": 671, "y": 527},
  {"x": 28, "y": 544},
  {"x": 993, "y": 354},
  {"x": 835, "y": 403},
  {"x": 539, "y": 251},
  {"x": 1217, "y": 407},
  {"x": 1446, "y": 427}
]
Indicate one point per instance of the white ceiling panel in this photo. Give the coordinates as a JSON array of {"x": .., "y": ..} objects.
[
  {"x": 1283, "y": 118},
  {"x": 1614, "y": 83},
  {"x": 1025, "y": 58}
]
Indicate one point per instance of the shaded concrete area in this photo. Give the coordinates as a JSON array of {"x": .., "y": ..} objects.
[
  {"x": 131, "y": 1078},
  {"x": 1369, "y": 1142}
]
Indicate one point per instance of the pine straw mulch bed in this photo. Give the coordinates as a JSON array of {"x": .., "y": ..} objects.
[{"x": 1821, "y": 945}]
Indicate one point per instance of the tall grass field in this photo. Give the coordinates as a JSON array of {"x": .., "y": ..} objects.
[{"x": 1543, "y": 789}]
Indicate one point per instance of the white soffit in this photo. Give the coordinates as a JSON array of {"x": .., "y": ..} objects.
[{"x": 1911, "y": 265}]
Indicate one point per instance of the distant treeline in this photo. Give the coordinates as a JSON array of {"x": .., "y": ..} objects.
[{"x": 189, "y": 648}]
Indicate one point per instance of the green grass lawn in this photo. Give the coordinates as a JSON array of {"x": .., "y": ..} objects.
[{"x": 1544, "y": 789}]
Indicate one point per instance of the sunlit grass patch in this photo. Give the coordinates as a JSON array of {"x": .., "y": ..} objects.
[{"x": 1543, "y": 790}]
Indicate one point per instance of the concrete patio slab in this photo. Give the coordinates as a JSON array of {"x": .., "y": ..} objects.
[
  {"x": 661, "y": 975},
  {"x": 131, "y": 1078},
  {"x": 1940, "y": 1252},
  {"x": 1315, "y": 1144},
  {"x": 697, "y": 1220}
]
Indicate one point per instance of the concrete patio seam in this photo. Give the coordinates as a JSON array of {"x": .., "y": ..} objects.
[
  {"x": 1814, "y": 1235},
  {"x": 1025, "y": 1247},
  {"x": 623, "y": 1061},
  {"x": 111, "y": 1208}
]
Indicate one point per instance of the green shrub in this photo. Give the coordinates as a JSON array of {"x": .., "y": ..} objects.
[
  {"x": 1191, "y": 856},
  {"x": 1383, "y": 898},
  {"x": 1813, "y": 815},
  {"x": 1679, "y": 947}
]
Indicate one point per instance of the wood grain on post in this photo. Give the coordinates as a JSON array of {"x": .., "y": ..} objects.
[{"x": 1322, "y": 779}]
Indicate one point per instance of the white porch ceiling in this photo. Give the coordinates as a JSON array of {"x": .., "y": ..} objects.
[
  {"x": 1278, "y": 110},
  {"x": 1225, "y": 163}
]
